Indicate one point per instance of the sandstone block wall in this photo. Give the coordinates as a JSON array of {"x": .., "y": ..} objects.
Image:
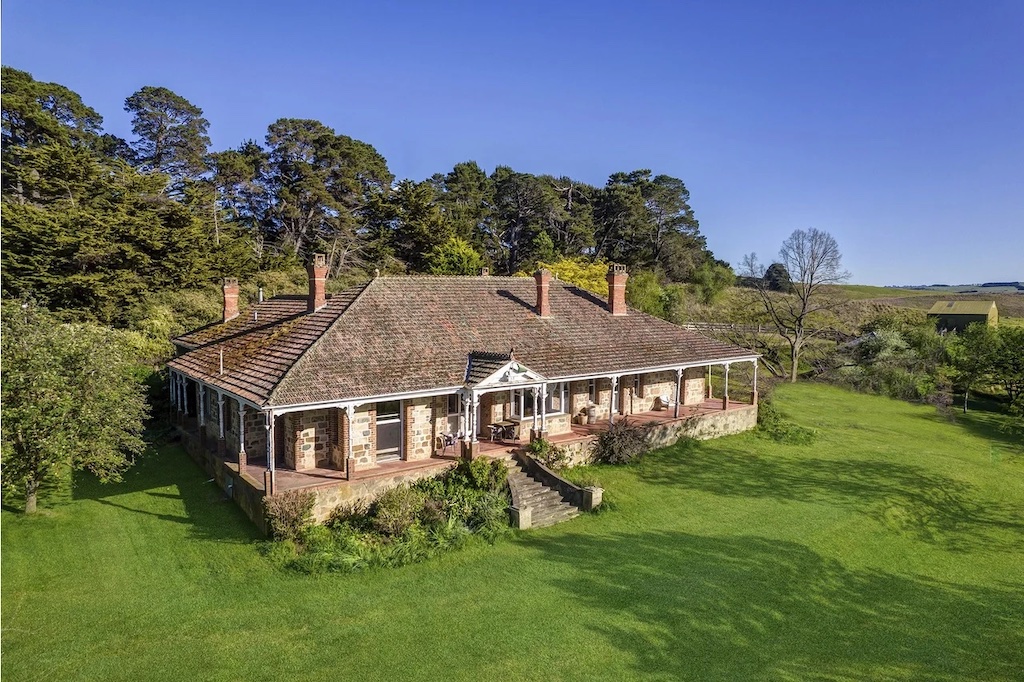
[
  {"x": 364, "y": 436},
  {"x": 419, "y": 428},
  {"x": 330, "y": 496},
  {"x": 255, "y": 433},
  {"x": 307, "y": 441}
]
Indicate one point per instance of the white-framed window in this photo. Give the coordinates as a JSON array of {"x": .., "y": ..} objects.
[
  {"x": 522, "y": 402},
  {"x": 454, "y": 404},
  {"x": 592, "y": 390},
  {"x": 389, "y": 430},
  {"x": 558, "y": 398}
]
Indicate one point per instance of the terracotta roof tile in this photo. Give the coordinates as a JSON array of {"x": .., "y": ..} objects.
[
  {"x": 402, "y": 334},
  {"x": 416, "y": 333}
]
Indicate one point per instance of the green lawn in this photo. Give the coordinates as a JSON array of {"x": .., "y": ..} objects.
[{"x": 891, "y": 549}]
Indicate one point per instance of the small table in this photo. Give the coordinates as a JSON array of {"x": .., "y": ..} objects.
[{"x": 504, "y": 430}]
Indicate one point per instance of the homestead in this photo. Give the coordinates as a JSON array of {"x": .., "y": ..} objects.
[
  {"x": 392, "y": 379},
  {"x": 956, "y": 315}
]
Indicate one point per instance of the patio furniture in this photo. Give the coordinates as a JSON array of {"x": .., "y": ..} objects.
[
  {"x": 443, "y": 441},
  {"x": 664, "y": 402},
  {"x": 504, "y": 430}
]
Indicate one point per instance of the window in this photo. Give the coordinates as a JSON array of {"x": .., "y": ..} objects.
[
  {"x": 522, "y": 402},
  {"x": 389, "y": 430},
  {"x": 592, "y": 390},
  {"x": 636, "y": 385},
  {"x": 454, "y": 404},
  {"x": 557, "y": 398}
]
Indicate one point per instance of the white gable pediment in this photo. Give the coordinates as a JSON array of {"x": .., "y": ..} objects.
[{"x": 512, "y": 373}]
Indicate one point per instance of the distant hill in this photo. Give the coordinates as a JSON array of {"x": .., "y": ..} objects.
[{"x": 986, "y": 288}]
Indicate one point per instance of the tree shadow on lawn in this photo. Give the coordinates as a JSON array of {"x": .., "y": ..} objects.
[
  {"x": 905, "y": 498},
  {"x": 144, "y": 489},
  {"x": 690, "y": 607},
  {"x": 985, "y": 419}
]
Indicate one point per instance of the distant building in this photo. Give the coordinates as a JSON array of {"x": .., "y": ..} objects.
[{"x": 956, "y": 315}]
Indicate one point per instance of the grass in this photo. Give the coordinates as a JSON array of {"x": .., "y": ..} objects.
[
  {"x": 857, "y": 292},
  {"x": 890, "y": 549}
]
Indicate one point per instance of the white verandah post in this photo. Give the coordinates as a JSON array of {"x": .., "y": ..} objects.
[
  {"x": 613, "y": 401},
  {"x": 241, "y": 436},
  {"x": 679, "y": 390},
  {"x": 544, "y": 408},
  {"x": 270, "y": 477},
  {"x": 753, "y": 400},
  {"x": 725, "y": 388}
]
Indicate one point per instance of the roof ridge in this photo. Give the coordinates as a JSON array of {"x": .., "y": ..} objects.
[{"x": 287, "y": 372}]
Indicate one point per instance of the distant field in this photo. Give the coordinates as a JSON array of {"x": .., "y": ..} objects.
[
  {"x": 1010, "y": 305},
  {"x": 866, "y": 291}
]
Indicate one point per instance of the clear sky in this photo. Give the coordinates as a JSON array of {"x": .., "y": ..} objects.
[{"x": 898, "y": 126}]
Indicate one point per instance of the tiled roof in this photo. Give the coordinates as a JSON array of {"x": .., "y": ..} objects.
[
  {"x": 483, "y": 364},
  {"x": 259, "y": 346},
  {"x": 404, "y": 334}
]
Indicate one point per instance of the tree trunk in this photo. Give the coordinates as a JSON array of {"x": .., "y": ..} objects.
[
  {"x": 794, "y": 356},
  {"x": 31, "y": 490}
]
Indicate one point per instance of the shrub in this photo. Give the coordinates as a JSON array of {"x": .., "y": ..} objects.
[
  {"x": 397, "y": 510},
  {"x": 289, "y": 514},
  {"x": 354, "y": 514},
  {"x": 479, "y": 474},
  {"x": 622, "y": 443},
  {"x": 548, "y": 454},
  {"x": 490, "y": 515}
]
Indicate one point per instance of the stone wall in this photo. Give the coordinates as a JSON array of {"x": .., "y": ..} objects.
[
  {"x": 231, "y": 424},
  {"x": 363, "y": 491},
  {"x": 558, "y": 423},
  {"x": 307, "y": 439},
  {"x": 653, "y": 386},
  {"x": 694, "y": 385},
  {"x": 706, "y": 426},
  {"x": 418, "y": 428},
  {"x": 364, "y": 436},
  {"x": 255, "y": 433}
]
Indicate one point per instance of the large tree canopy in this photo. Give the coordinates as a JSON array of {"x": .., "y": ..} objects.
[
  {"x": 70, "y": 401},
  {"x": 100, "y": 221},
  {"x": 171, "y": 133}
]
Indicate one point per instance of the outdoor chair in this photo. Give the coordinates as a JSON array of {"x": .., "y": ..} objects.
[{"x": 443, "y": 441}]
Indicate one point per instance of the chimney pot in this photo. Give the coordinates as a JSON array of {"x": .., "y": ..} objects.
[
  {"x": 230, "y": 299},
  {"x": 317, "y": 271},
  {"x": 617, "y": 277},
  {"x": 543, "y": 279},
  {"x": 484, "y": 272}
]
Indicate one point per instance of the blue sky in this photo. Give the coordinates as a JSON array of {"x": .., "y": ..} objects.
[{"x": 896, "y": 126}]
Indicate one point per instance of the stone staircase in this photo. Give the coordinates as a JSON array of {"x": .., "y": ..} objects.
[{"x": 531, "y": 499}]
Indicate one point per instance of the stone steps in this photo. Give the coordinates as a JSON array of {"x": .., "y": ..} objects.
[{"x": 545, "y": 504}]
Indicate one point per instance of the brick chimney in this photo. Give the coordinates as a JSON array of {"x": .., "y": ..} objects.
[
  {"x": 543, "y": 278},
  {"x": 230, "y": 298},
  {"x": 617, "y": 276},
  {"x": 317, "y": 271}
]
